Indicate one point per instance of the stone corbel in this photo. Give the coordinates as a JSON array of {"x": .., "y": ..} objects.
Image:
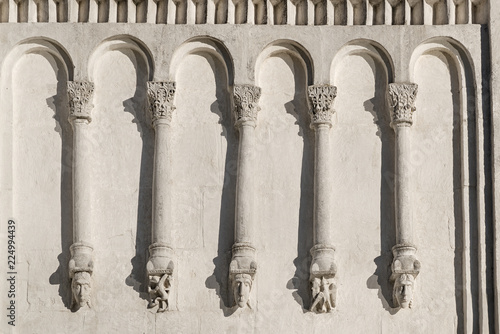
[
  {"x": 323, "y": 268},
  {"x": 405, "y": 266},
  {"x": 160, "y": 265},
  {"x": 243, "y": 265},
  {"x": 81, "y": 263}
]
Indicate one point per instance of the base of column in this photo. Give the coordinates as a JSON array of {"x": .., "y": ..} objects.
[
  {"x": 405, "y": 269},
  {"x": 160, "y": 267},
  {"x": 322, "y": 278}
]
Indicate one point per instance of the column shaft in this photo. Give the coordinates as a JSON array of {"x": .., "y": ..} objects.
[{"x": 404, "y": 227}]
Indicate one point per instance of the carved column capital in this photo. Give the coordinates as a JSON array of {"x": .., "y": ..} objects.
[
  {"x": 401, "y": 97},
  {"x": 322, "y": 97},
  {"x": 246, "y": 104},
  {"x": 79, "y": 97},
  {"x": 161, "y": 100}
]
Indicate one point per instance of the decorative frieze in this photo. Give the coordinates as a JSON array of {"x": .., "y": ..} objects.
[
  {"x": 80, "y": 96},
  {"x": 322, "y": 97},
  {"x": 246, "y": 98},
  {"x": 161, "y": 100},
  {"x": 402, "y": 98}
]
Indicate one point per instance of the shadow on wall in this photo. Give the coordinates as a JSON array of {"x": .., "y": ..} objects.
[
  {"x": 137, "y": 106},
  {"x": 59, "y": 104}
]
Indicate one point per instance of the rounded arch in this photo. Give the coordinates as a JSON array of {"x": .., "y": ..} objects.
[
  {"x": 203, "y": 45},
  {"x": 449, "y": 46},
  {"x": 291, "y": 48},
  {"x": 364, "y": 47},
  {"x": 38, "y": 45},
  {"x": 118, "y": 43}
]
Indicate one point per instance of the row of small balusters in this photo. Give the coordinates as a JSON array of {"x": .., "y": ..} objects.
[{"x": 273, "y": 12}]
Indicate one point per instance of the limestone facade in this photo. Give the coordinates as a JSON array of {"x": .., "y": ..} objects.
[{"x": 250, "y": 166}]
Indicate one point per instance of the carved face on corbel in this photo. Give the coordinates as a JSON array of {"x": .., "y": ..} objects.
[
  {"x": 81, "y": 289},
  {"x": 242, "y": 285},
  {"x": 403, "y": 290}
]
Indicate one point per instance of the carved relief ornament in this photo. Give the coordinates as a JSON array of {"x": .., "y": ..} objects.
[
  {"x": 81, "y": 266},
  {"x": 246, "y": 99},
  {"x": 160, "y": 268},
  {"x": 322, "y": 279},
  {"x": 161, "y": 100},
  {"x": 79, "y": 98},
  {"x": 242, "y": 271},
  {"x": 401, "y": 97},
  {"x": 405, "y": 269},
  {"x": 322, "y": 97}
]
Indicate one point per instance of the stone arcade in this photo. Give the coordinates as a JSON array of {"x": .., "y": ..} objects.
[{"x": 263, "y": 166}]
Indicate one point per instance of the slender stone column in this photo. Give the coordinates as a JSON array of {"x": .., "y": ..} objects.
[
  {"x": 160, "y": 265},
  {"x": 243, "y": 265},
  {"x": 323, "y": 268},
  {"x": 405, "y": 266},
  {"x": 81, "y": 262}
]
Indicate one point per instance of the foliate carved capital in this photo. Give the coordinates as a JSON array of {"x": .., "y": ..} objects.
[
  {"x": 401, "y": 98},
  {"x": 322, "y": 279},
  {"x": 242, "y": 271},
  {"x": 81, "y": 266},
  {"x": 322, "y": 97},
  {"x": 246, "y": 104},
  {"x": 160, "y": 268},
  {"x": 161, "y": 100},
  {"x": 79, "y": 97},
  {"x": 405, "y": 269}
]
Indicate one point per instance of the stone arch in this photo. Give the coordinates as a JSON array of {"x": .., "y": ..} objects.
[
  {"x": 364, "y": 47},
  {"x": 290, "y": 48},
  {"x": 445, "y": 125},
  {"x": 122, "y": 42},
  {"x": 203, "y": 45}
]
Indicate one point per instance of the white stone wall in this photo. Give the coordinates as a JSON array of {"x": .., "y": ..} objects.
[{"x": 449, "y": 174}]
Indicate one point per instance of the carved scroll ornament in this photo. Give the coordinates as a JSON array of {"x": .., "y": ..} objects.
[{"x": 161, "y": 100}]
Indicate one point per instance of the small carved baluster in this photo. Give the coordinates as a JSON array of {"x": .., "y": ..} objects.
[
  {"x": 81, "y": 263},
  {"x": 405, "y": 266},
  {"x": 160, "y": 265},
  {"x": 323, "y": 268}
]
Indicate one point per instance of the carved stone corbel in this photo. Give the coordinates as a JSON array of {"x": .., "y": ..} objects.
[
  {"x": 323, "y": 268},
  {"x": 81, "y": 263},
  {"x": 243, "y": 265},
  {"x": 405, "y": 266},
  {"x": 160, "y": 265}
]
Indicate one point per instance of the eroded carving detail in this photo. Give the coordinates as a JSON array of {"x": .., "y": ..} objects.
[
  {"x": 81, "y": 266},
  {"x": 405, "y": 269},
  {"x": 246, "y": 99},
  {"x": 160, "y": 268},
  {"x": 322, "y": 97},
  {"x": 161, "y": 100},
  {"x": 79, "y": 98},
  {"x": 322, "y": 278},
  {"x": 401, "y": 97},
  {"x": 242, "y": 273}
]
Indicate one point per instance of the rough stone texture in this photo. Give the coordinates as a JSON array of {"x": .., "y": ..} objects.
[{"x": 450, "y": 161}]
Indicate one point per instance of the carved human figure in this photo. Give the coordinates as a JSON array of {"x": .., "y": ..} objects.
[
  {"x": 323, "y": 292},
  {"x": 81, "y": 290},
  {"x": 159, "y": 289},
  {"x": 403, "y": 290},
  {"x": 242, "y": 286}
]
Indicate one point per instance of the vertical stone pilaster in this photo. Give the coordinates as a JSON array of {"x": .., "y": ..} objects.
[
  {"x": 243, "y": 265},
  {"x": 160, "y": 265},
  {"x": 81, "y": 263},
  {"x": 323, "y": 268},
  {"x": 405, "y": 266}
]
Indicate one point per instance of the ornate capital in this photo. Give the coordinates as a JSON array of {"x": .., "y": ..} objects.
[
  {"x": 80, "y": 96},
  {"x": 161, "y": 100},
  {"x": 321, "y": 97},
  {"x": 401, "y": 97},
  {"x": 246, "y": 99}
]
